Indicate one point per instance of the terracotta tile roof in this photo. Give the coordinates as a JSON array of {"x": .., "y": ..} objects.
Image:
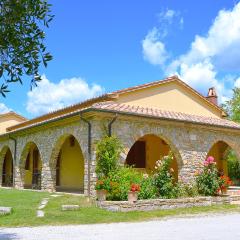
[
  {"x": 62, "y": 112},
  {"x": 52, "y": 116},
  {"x": 113, "y": 107},
  {"x": 167, "y": 115}
]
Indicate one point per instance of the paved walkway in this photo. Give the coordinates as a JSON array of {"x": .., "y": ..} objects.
[{"x": 213, "y": 227}]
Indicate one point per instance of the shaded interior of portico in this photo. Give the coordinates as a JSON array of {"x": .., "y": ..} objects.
[
  {"x": 32, "y": 167},
  {"x": 146, "y": 151},
  {"x": 218, "y": 151},
  {"x": 70, "y": 167},
  {"x": 7, "y": 169},
  {"x": 227, "y": 160}
]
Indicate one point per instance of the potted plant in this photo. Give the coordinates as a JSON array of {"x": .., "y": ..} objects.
[
  {"x": 224, "y": 182},
  {"x": 102, "y": 187},
  {"x": 133, "y": 193}
]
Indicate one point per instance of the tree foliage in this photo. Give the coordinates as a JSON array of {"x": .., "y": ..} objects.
[
  {"x": 233, "y": 164},
  {"x": 232, "y": 106},
  {"x": 107, "y": 155},
  {"x": 22, "y": 48}
]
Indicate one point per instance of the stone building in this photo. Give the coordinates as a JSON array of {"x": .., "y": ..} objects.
[{"x": 56, "y": 151}]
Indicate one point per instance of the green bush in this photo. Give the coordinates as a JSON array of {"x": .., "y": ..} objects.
[
  {"x": 107, "y": 156},
  {"x": 147, "y": 188},
  {"x": 163, "y": 178},
  {"x": 233, "y": 164},
  {"x": 187, "y": 189},
  {"x": 121, "y": 181}
]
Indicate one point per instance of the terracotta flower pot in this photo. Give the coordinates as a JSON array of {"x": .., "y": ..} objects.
[
  {"x": 132, "y": 196},
  {"x": 101, "y": 195}
]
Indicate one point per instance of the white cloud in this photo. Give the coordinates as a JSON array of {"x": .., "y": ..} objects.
[
  {"x": 223, "y": 37},
  {"x": 209, "y": 55},
  {"x": 153, "y": 49},
  {"x": 49, "y": 96},
  {"x": 168, "y": 16},
  {"x": 237, "y": 83},
  {"x": 202, "y": 76},
  {"x": 4, "y": 108}
]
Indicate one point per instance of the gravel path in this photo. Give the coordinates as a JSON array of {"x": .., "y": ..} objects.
[{"x": 212, "y": 227}]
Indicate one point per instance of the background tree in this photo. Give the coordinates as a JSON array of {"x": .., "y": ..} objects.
[
  {"x": 22, "y": 49},
  {"x": 232, "y": 107}
]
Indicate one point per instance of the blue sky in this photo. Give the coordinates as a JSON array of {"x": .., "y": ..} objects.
[{"x": 101, "y": 46}]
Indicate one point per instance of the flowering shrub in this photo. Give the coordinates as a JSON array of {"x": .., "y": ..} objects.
[
  {"x": 224, "y": 183},
  {"x": 135, "y": 187},
  {"x": 103, "y": 184},
  {"x": 208, "y": 181},
  {"x": 163, "y": 178},
  {"x": 121, "y": 181},
  {"x": 148, "y": 189}
]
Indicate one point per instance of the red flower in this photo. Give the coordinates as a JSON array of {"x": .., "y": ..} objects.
[{"x": 135, "y": 188}]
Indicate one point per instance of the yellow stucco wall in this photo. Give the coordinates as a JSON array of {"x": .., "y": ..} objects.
[
  {"x": 71, "y": 166},
  {"x": 217, "y": 151},
  {"x": 171, "y": 97},
  {"x": 28, "y": 173},
  {"x": 7, "y": 120}
]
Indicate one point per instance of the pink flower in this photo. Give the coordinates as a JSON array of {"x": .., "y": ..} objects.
[
  {"x": 210, "y": 159},
  {"x": 205, "y": 163}
]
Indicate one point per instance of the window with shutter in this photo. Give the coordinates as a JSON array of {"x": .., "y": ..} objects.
[{"x": 137, "y": 155}]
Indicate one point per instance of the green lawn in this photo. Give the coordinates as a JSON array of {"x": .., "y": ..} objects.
[{"x": 25, "y": 203}]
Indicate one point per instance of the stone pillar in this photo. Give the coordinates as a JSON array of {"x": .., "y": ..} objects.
[
  {"x": 97, "y": 133},
  {"x": 93, "y": 175},
  {"x": 48, "y": 177},
  {"x": 18, "y": 181},
  {"x": 192, "y": 163}
]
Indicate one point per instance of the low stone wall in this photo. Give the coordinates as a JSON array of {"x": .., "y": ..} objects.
[{"x": 158, "y": 204}]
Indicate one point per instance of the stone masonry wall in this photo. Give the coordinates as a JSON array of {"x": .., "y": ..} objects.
[
  {"x": 190, "y": 144},
  {"x": 161, "y": 204}
]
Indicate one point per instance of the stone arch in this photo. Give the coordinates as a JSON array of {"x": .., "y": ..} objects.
[
  {"x": 3, "y": 154},
  {"x": 30, "y": 166},
  {"x": 130, "y": 142},
  {"x": 162, "y": 141},
  {"x": 232, "y": 144},
  {"x": 56, "y": 156},
  {"x": 219, "y": 150}
]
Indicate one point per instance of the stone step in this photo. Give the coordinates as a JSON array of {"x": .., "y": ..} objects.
[
  {"x": 234, "y": 187},
  {"x": 233, "y": 191},
  {"x": 5, "y": 210},
  {"x": 70, "y": 207},
  {"x": 40, "y": 214}
]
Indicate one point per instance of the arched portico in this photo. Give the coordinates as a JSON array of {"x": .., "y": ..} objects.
[
  {"x": 148, "y": 149},
  {"x": 31, "y": 166},
  {"x": 221, "y": 151},
  {"x": 67, "y": 165},
  {"x": 7, "y": 167}
]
